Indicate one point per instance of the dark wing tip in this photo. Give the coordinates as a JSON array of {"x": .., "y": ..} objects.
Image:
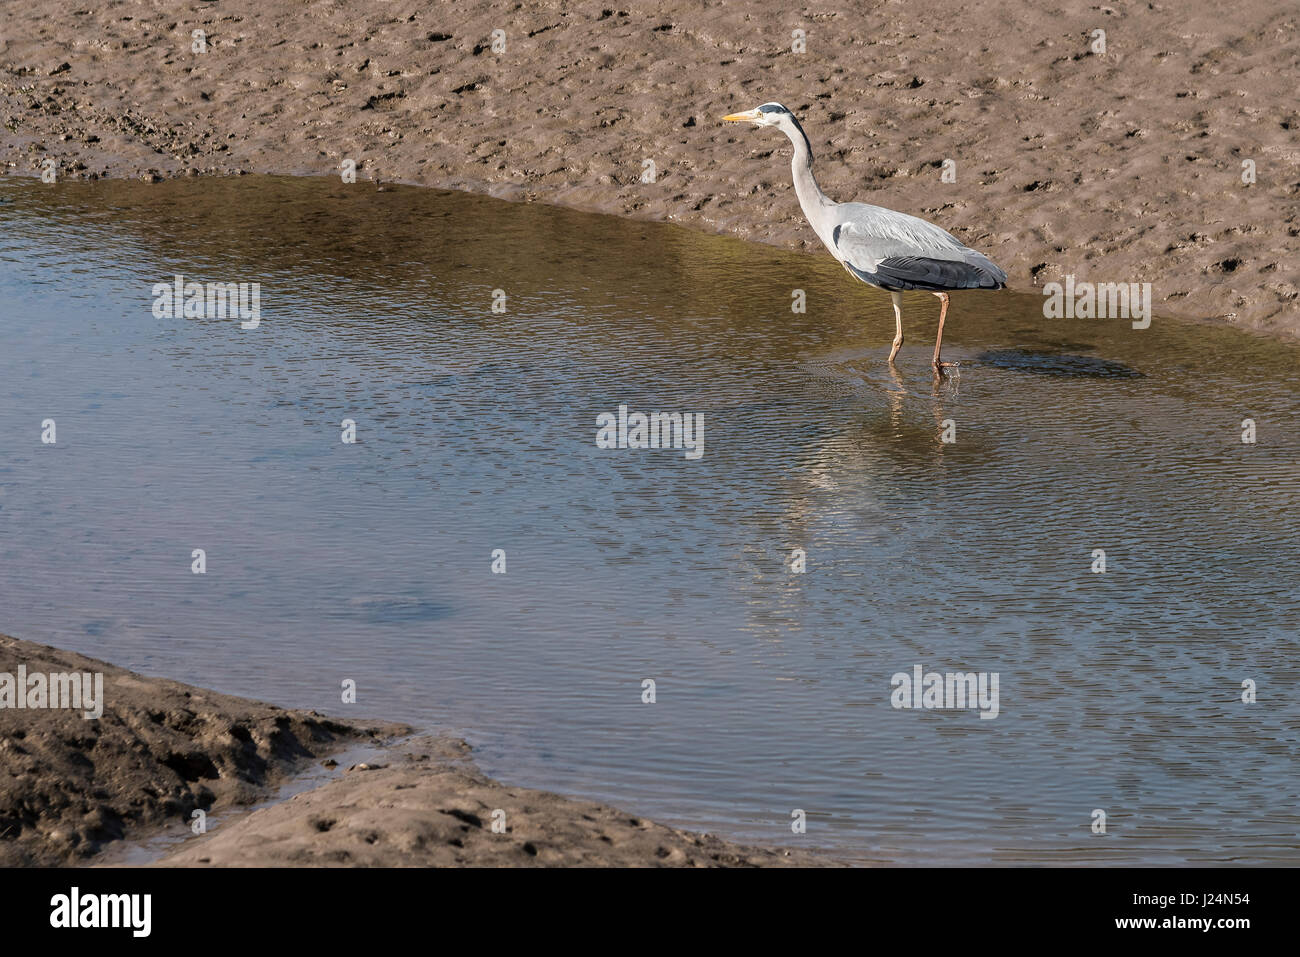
[{"x": 933, "y": 275}]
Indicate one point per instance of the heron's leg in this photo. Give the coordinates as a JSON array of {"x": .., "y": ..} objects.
[
  {"x": 898, "y": 322},
  {"x": 938, "y": 338}
]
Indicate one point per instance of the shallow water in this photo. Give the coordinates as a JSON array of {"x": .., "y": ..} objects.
[{"x": 476, "y": 431}]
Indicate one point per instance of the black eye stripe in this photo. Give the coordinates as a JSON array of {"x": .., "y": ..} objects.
[{"x": 772, "y": 109}]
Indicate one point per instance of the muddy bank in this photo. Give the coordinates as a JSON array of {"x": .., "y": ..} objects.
[
  {"x": 425, "y": 805},
  {"x": 1116, "y": 166},
  {"x": 160, "y": 749},
  {"x": 71, "y": 787}
]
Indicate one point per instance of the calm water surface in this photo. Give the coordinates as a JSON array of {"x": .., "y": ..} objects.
[{"x": 476, "y": 431}]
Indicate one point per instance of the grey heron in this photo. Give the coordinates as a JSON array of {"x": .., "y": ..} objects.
[{"x": 879, "y": 246}]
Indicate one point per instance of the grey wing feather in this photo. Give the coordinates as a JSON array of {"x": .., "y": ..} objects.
[{"x": 897, "y": 251}]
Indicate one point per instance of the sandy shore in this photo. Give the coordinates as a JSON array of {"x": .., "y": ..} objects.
[
  {"x": 1122, "y": 166},
  {"x": 72, "y": 789}
]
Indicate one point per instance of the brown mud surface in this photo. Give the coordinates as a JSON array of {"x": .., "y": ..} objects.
[{"x": 70, "y": 786}]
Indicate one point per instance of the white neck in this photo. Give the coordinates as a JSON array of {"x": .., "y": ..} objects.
[{"x": 816, "y": 205}]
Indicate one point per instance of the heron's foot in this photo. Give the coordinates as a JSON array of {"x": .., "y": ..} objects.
[{"x": 946, "y": 371}]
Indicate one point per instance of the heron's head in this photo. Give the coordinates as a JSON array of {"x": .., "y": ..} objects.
[{"x": 769, "y": 114}]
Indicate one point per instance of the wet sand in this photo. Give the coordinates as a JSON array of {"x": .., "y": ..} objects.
[
  {"x": 69, "y": 787},
  {"x": 424, "y": 805},
  {"x": 1122, "y": 166},
  {"x": 72, "y": 788}
]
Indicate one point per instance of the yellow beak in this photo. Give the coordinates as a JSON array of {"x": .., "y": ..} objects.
[{"x": 748, "y": 116}]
